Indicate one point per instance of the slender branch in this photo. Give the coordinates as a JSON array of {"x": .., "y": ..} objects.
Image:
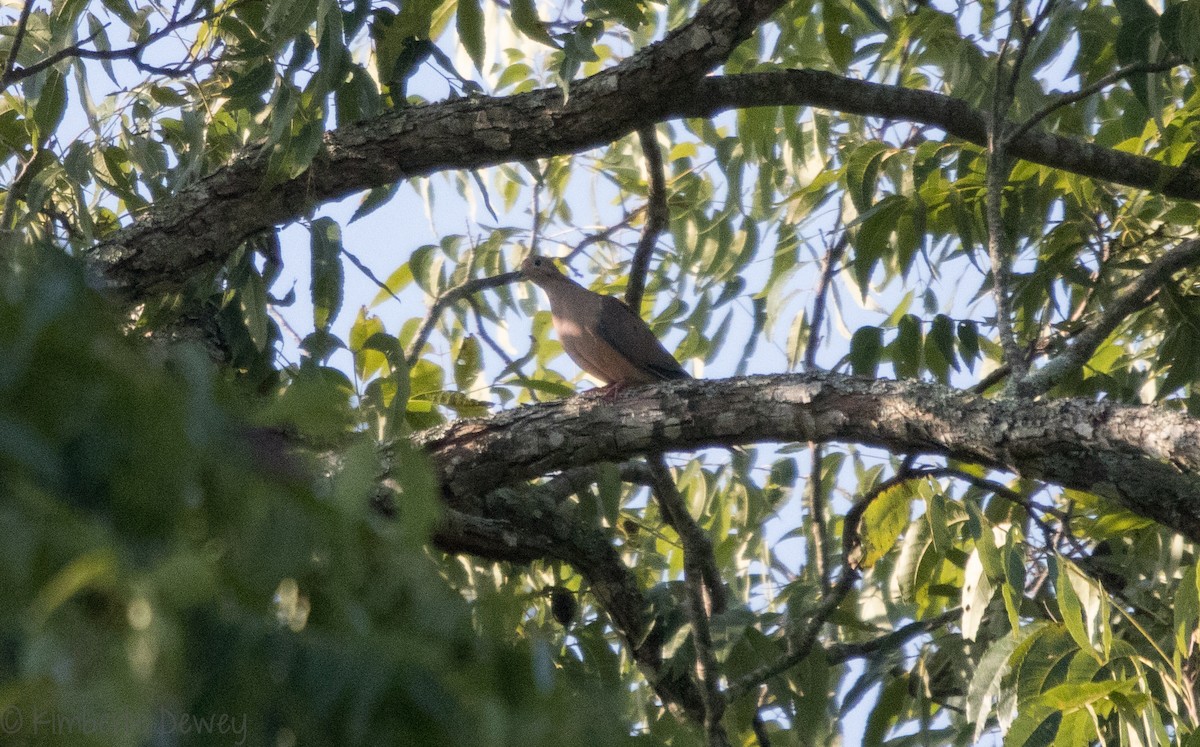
[
  {"x": 603, "y": 235},
  {"x": 132, "y": 53},
  {"x": 510, "y": 365},
  {"x": 818, "y": 529},
  {"x": 760, "y": 730},
  {"x": 656, "y": 219},
  {"x": 841, "y": 652},
  {"x": 999, "y": 252},
  {"x": 527, "y": 524},
  {"x": 1139, "y": 68},
  {"x": 829, "y": 268},
  {"x": 451, "y": 296},
  {"x": 849, "y": 574},
  {"x": 10, "y": 62},
  {"x": 705, "y": 593},
  {"x": 1134, "y": 298}
]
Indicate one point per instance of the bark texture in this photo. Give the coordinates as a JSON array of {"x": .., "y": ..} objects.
[
  {"x": 1145, "y": 458},
  {"x": 204, "y": 223}
]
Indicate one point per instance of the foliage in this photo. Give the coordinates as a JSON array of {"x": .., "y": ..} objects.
[{"x": 169, "y": 551}]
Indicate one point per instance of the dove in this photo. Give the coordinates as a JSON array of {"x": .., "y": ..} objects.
[{"x": 600, "y": 333}]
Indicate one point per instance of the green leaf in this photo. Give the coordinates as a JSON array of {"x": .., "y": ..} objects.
[
  {"x": 866, "y": 346},
  {"x": 838, "y": 42},
  {"x": 986, "y": 682},
  {"x": 977, "y": 594},
  {"x": 51, "y": 103},
  {"x": 939, "y": 356},
  {"x": 887, "y": 712},
  {"x": 525, "y": 18},
  {"x": 327, "y": 271},
  {"x": 1137, "y": 29},
  {"x": 252, "y": 301},
  {"x": 884, "y": 520},
  {"x": 1074, "y": 695},
  {"x": 468, "y": 363},
  {"x": 862, "y": 169},
  {"x": 968, "y": 343},
  {"x": 906, "y": 350},
  {"x": 471, "y": 30},
  {"x": 1070, "y": 608}
]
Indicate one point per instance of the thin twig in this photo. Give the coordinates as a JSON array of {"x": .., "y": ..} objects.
[
  {"x": 453, "y": 295},
  {"x": 603, "y": 235},
  {"x": 656, "y": 218},
  {"x": 10, "y": 62},
  {"x": 510, "y": 365},
  {"x": 808, "y": 638},
  {"x": 829, "y": 267},
  {"x": 676, "y": 514},
  {"x": 132, "y": 53},
  {"x": 1067, "y": 99},
  {"x": 1134, "y": 298},
  {"x": 760, "y": 730},
  {"x": 840, "y": 652},
  {"x": 818, "y": 530}
]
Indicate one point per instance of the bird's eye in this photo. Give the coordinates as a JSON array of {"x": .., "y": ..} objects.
[{"x": 537, "y": 263}]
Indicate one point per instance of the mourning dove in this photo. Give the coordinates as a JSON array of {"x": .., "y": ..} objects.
[{"x": 602, "y": 335}]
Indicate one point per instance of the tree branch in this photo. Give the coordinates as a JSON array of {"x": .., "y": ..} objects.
[
  {"x": 10, "y": 63},
  {"x": 840, "y": 652},
  {"x": 656, "y": 219},
  {"x": 133, "y": 53},
  {"x": 1128, "y": 71},
  {"x": 829, "y": 268},
  {"x": 454, "y": 295},
  {"x": 1134, "y": 298},
  {"x": 525, "y": 525},
  {"x": 204, "y": 222},
  {"x": 818, "y": 536},
  {"x": 1145, "y": 458},
  {"x": 201, "y": 225},
  {"x": 706, "y": 594}
]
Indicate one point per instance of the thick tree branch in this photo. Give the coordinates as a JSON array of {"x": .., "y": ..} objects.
[
  {"x": 201, "y": 225},
  {"x": 206, "y": 220},
  {"x": 1145, "y": 458},
  {"x": 521, "y": 526},
  {"x": 954, "y": 116}
]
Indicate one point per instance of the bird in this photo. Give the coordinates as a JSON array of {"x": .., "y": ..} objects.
[{"x": 601, "y": 333}]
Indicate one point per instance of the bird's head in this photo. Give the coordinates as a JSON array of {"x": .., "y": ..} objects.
[{"x": 541, "y": 270}]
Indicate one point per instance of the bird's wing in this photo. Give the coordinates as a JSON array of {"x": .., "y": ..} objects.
[{"x": 629, "y": 335}]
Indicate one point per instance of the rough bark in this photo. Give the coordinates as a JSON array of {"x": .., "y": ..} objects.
[
  {"x": 205, "y": 221},
  {"x": 1145, "y": 458},
  {"x": 201, "y": 225}
]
